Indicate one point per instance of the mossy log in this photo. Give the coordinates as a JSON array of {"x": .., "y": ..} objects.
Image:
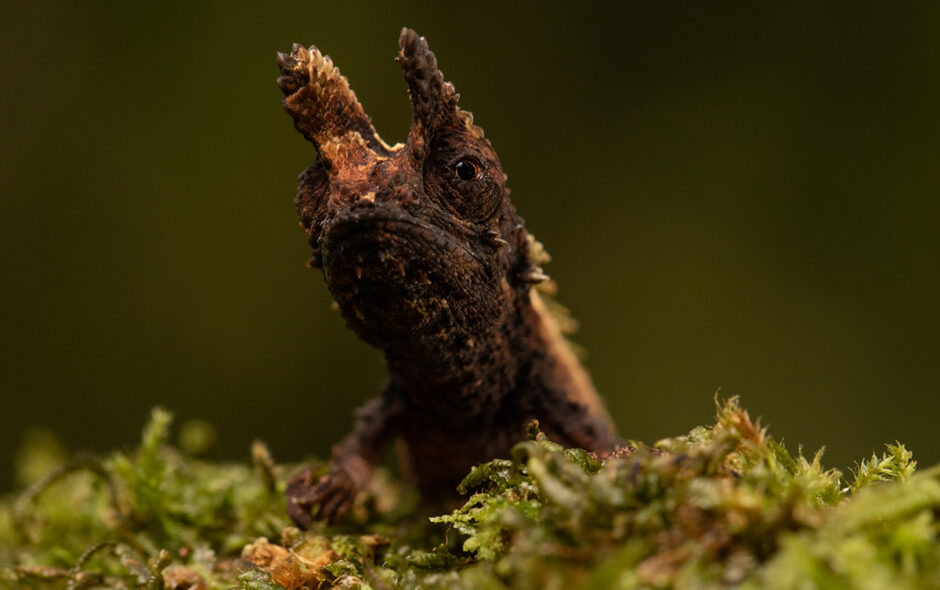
[{"x": 723, "y": 506}]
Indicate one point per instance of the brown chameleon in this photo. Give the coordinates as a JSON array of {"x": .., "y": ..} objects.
[{"x": 429, "y": 262}]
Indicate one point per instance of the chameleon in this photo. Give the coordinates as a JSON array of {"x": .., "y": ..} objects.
[{"x": 429, "y": 262}]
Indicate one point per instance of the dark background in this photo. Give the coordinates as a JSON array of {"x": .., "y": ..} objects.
[{"x": 740, "y": 196}]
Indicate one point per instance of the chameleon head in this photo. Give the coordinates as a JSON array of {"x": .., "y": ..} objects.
[{"x": 416, "y": 240}]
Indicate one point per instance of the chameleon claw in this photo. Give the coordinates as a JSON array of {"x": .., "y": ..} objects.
[{"x": 333, "y": 493}]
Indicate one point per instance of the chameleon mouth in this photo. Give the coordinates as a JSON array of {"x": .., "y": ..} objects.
[
  {"x": 380, "y": 251},
  {"x": 395, "y": 233},
  {"x": 372, "y": 226},
  {"x": 380, "y": 268}
]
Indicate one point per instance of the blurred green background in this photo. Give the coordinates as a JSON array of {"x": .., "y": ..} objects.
[{"x": 741, "y": 196}]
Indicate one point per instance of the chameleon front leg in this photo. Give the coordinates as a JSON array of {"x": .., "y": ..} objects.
[{"x": 354, "y": 459}]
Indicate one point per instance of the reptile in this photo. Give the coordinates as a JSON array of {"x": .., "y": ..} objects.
[{"x": 429, "y": 262}]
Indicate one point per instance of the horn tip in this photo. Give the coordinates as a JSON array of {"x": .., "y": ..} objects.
[
  {"x": 407, "y": 36},
  {"x": 411, "y": 43},
  {"x": 302, "y": 64}
]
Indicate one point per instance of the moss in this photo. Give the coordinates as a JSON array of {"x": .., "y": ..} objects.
[{"x": 721, "y": 506}]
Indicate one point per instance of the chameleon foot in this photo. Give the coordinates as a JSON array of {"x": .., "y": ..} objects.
[{"x": 333, "y": 493}]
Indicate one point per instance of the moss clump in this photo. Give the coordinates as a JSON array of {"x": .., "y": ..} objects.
[{"x": 722, "y": 506}]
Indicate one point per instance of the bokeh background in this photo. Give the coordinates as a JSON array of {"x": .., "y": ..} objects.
[{"x": 743, "y": 196}]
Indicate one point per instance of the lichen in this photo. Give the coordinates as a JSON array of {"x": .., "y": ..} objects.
[{"x": 723, "y": 506}]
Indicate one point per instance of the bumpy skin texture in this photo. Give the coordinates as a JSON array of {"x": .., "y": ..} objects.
[{"x": 430, "y": 263}]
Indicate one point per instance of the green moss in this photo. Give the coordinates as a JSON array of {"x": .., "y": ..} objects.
[{"x": 722, "y": 506}]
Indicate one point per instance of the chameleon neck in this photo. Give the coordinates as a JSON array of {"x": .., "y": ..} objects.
[{"x": 478, "y": 374}]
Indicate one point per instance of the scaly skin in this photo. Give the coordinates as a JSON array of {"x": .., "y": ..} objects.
[{"x": 429, "y": 262}]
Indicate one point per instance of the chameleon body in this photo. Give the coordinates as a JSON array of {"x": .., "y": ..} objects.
[{"x": 429, "y": 262}]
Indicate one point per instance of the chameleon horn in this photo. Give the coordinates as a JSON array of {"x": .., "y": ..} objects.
[
  {"x": 433, "y": 101},
  {"x": 324, "y": 108}
]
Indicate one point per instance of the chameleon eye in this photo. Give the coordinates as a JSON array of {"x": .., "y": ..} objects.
[{"x": 466, "y": 170}]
